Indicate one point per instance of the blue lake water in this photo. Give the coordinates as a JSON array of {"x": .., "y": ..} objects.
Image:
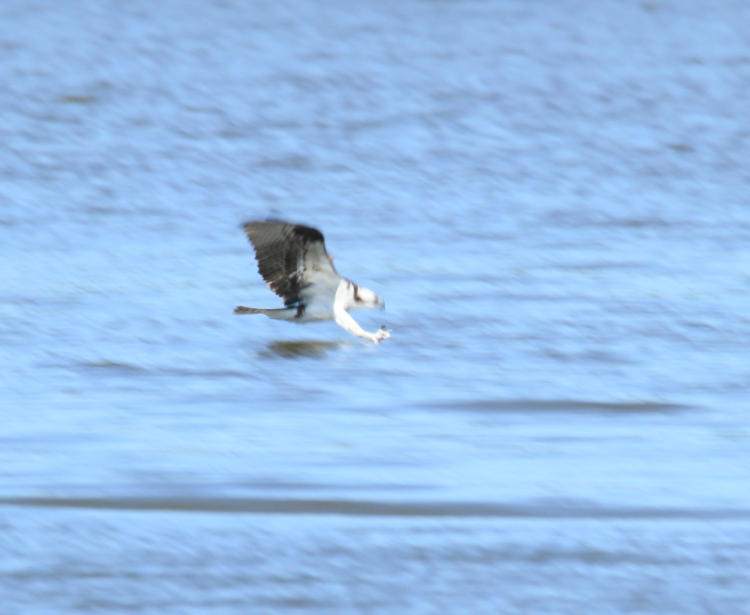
[{"x": 552, "y": 198}]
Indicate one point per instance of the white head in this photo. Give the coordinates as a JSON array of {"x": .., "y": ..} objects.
[{"x": 364, "y": 298}]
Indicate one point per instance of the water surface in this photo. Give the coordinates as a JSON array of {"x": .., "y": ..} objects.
[{"x": 552, "y": 199}]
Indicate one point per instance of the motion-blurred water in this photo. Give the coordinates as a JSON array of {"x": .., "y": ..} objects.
[{"x": 553, "y": 198}]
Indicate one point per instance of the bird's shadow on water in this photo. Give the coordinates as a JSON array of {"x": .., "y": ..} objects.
[{"x": 299, "y": 349}]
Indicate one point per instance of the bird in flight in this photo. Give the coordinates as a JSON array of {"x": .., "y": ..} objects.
[{"x": 293, "y": 261}]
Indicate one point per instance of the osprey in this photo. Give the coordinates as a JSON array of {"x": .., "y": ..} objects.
[{"x": 293, "y": 261}]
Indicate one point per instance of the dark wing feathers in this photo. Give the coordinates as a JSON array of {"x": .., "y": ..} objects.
[{"x": 287, "y": 255}]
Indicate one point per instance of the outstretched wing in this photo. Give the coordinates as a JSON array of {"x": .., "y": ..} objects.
[{"x": 292, "y": 259}]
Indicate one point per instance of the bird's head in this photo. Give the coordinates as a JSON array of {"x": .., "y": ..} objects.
[{"x": 364, "y": 298}]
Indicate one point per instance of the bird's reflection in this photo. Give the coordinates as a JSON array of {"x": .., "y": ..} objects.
[{"x": 295, "y": 350}]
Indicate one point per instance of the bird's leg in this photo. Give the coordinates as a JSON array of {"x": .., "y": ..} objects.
[{"x": 344, "y": 320}]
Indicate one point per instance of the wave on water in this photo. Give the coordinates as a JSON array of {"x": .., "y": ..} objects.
[
  {"x": 370, "y": 508},
  {"x": 564, "y": 405},
  {"x": 127, "y": 369}
]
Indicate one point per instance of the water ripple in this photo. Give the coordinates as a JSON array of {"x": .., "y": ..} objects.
[
  {"x": 562, "y": 405},
  {"x": 369, "y": 508}
]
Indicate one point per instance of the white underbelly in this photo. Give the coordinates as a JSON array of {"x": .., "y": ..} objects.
[{"x": 316, "y": 312}]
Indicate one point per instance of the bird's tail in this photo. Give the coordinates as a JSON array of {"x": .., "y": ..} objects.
[
  {"x": 277, "y": 314},
  {"x": 241, "y": 309}
]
